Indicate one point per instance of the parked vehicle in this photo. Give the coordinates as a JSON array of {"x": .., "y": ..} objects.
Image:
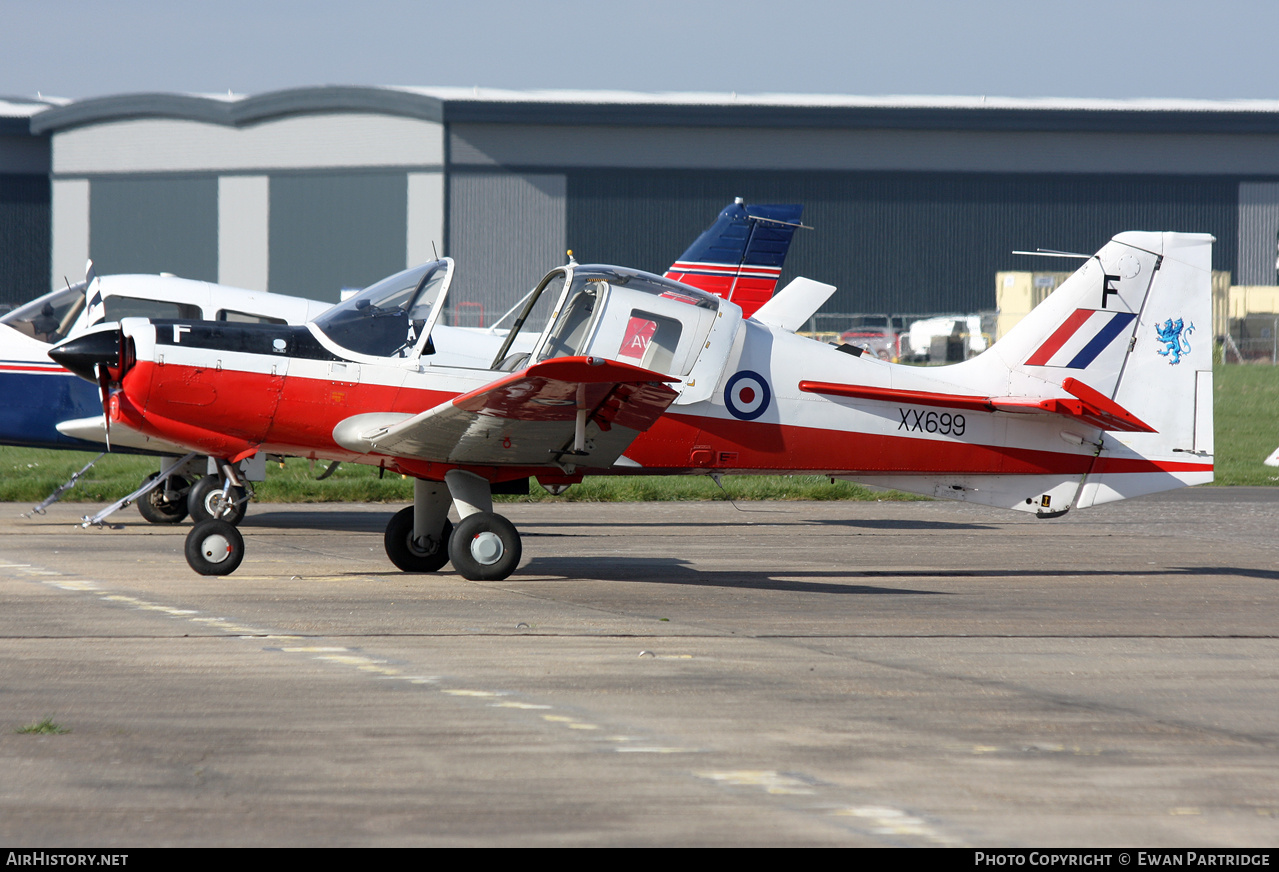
[{"x": 876, "y": 334}]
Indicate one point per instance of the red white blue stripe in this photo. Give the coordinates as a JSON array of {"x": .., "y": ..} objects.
[
  {"x": 724, "y": 269},
  {"x": 33, "y": 367},
  {"x": 1080, "y": 339}
]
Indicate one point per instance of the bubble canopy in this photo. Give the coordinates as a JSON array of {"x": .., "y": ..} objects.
[
  {"x": 617, "y": 314},
  {"x": 392, "y": 317}
]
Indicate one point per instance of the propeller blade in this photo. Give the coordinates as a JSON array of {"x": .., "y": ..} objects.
[{"x": 104, "y": 390}]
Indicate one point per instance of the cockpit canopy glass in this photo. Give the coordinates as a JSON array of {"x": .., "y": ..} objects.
[
  {"x": 393, "y": 317},
  {"x": 48, "y": 318},
  {"x": 630, "y": 316}
]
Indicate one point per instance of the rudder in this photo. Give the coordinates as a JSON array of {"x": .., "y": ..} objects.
[{"x": 1166, "y": 380}]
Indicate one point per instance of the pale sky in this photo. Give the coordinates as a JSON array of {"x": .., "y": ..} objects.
[{"x": 1019, "y": 48}]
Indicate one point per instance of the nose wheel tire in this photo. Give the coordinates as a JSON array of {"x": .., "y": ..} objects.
[
  {"x": 208, "y": 501},
  {"x": 412, "y": 555},
  {"x": 214, "y": 548},
  {"x": 166, "y": 504},
  {"x": 485, "y": 547}
]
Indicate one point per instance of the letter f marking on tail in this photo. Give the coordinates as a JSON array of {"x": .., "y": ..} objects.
[{"x": 1107, "y": 290}]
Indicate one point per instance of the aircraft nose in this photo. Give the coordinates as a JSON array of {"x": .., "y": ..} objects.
[{"x": 83, "y": 354}]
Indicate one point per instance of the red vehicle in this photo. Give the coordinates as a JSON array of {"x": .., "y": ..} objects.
[{"x": 878, "y": 334}]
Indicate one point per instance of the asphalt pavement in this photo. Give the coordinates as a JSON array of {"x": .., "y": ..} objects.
[{"x": 853, "y": 674}]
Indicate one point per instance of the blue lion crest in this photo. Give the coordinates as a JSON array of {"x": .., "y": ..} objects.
[{"x": 1176, "y": 339}]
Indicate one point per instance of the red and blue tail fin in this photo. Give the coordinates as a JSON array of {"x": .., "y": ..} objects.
[{"x": 740, "y": 256}]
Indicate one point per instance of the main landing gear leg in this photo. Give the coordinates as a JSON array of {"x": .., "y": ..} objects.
[
  {"x": 417, "y": 538},
  {"x": 484, "y": 546}
]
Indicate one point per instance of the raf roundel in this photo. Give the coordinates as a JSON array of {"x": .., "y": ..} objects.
[{"x": 747, "y": 395}]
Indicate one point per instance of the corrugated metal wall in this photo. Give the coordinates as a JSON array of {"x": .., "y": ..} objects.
[
  {"x": 896, "y": 242},
  {"x": 336, "y": 230},
  {"x": 153, "y": 225},
  {"x": 1258, "y": 233},
  {"x": 892, "y": 242},
  {"x": 506, "y": 231},
  {"x": 24, "y": 228}
]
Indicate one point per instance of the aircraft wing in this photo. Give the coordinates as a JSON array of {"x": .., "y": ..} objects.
[
  {"x": 1088, "y": 406},
  {"x": 531, "y": 418}
]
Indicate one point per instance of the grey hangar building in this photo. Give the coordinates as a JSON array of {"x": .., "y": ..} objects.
[{"x": 915, "y": 203}]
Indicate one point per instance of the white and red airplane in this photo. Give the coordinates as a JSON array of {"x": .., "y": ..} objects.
[
  {"x": 739, "y": 256},
  {"x": 1081, "y": 404},
  {"x": 44, "y": 406}
]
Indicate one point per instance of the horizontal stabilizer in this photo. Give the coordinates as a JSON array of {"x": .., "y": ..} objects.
[
  {"x": 794, "y": 304},
  {"x": 1088, "y": 406}
]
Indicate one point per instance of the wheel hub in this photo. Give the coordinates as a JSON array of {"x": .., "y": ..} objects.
[
  {"x": 215, "y": 548},
  {"x": 487, "y": 548}
]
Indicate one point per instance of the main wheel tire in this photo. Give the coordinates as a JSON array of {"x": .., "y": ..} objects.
[
  {"x": 485, "y": 547},
  {"x": 214, "y": 548},
  {"x": 207, "y": 501},
  {"x": 413, "y": 556},
  {"x": 157, "y": 508}
]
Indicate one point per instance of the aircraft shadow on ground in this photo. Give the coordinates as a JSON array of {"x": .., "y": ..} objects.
[
  {"x": 356, "y": 522},
  {"x": 673, "y": 570},
  {"x": 869, "y": 523},
  {"x": 375, "y": 522},
  {"x": 1216, "y": 571},
  {"x": 901, "y": 524}
]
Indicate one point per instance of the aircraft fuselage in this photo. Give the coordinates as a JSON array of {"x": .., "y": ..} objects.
[{"x": 190, "y": 387}]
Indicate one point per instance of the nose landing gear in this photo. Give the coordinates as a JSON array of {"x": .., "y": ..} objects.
[{"x": 214, "y": 547}]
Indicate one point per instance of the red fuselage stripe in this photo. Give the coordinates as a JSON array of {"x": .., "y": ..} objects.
[{"x": 301, "y": 422}]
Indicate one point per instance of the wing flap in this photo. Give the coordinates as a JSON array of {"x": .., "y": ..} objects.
[{"x": 1088, "y": 406}]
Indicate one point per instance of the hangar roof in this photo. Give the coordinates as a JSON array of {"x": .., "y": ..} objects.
[
  {"x": 677, "y": 109},
  {"x": 16, "y": 113}
]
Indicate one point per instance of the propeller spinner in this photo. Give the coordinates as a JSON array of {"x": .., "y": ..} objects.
[
  {"x": 86, "y": 352},
  {"x": 95, "y": 356}
]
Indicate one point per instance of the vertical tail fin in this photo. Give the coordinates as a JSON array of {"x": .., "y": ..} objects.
[
  {"x": 1134, "y": 325},
  {"x": 740, "y": 256},
  {"x": 1167, "y": 380}
]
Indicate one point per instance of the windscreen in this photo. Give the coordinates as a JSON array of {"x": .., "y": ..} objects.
[
  {"x": 50, "y": 317},
  {"x": 631, "y": 316},
  {"x": 387, "y": 318},
  {"x": 530, "y": 322}
]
